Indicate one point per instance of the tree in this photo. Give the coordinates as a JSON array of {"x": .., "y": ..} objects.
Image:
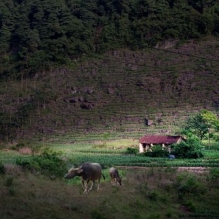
[
  {"x": 210, "y": 118},
  {"x": 201, "y": 5},
  {"x": 202, "y": 124}
]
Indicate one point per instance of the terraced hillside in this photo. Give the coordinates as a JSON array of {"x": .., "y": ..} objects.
[{"x": 130, "y": 92}]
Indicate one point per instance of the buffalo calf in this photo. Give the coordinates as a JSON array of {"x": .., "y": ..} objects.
[{"x": 114, "y": 175}]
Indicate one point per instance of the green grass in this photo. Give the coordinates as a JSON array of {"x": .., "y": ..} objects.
[
  {"x": 211, "y": 154},
  {"x": 112, "y": 152},
  {"x": 9, "y": 156},
  {"x": 145, "y": 193}
]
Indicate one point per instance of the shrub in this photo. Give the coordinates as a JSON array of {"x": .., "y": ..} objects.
[
  {"x": 2, "y": 169},
  {"x": 48, "y": 163},
  {"x": 214, "y": 173},
  {"x": 157, "y": 151},
  {"x": 19, "y": 145},
  {"x": 133, "y": 151},
  {"x": 191, "y": 148},
  {"x": 97, "y": 215},
  {"x": 189, "y": 204},
  {"x": 188, "y": 184},
  {"x": 11, "y": 191},
  {"x": 153, "y": 196},
  {"x": 28, "y": 164},
  {"x": 9, "y": 181}
]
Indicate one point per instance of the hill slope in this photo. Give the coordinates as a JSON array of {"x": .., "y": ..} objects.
[{"x": 119, "y": 91}]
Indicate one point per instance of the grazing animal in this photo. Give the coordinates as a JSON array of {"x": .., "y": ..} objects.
[
  {"x": 88, "y": 172},
  {"x": 114, "y": 174}
]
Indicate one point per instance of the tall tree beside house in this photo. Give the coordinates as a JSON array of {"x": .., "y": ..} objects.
[
  {"x": 202, "y": 124},
  {"x": 212, "y": 122},
  {"x": 210, "y": 118},
  {"x": 197, "y": 126}
]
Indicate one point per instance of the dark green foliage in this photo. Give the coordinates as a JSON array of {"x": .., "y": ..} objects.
[
  {"x": 27, "y": 164},
  {"x": 191, "y": 148},
  {"x": 214, "y": 173},
  {"x": 10, "y": 184},
  {"x": 157, "y": 151},
  {"x": 48, "y": 163},
  {"x": 202, "y": 5},
  {"x": 204, "y": 124},
  {"x": 188, "y": 184},
  {"x": 189, "y": 205},
  {"x": 197, "y": 126},
  {"x": 2, "y": 169},
  {"x": 97, "y": 215},
  {"x": 9, "y": 181},
  {"x": 35, "y": 35},
  {"x": 133, "y": 151},
  {"x": 152, "y": 195}
]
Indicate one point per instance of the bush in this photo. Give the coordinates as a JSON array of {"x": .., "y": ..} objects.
[
  {"x": 188, "y": 184},
  {"x": 191, "y": 148},
  {"x": 133, "y": 151},
  {"x": 2, "y": 169},
  {"x": 9, "y": 182},
  {"x": 157, "y": 151},
  {"x": 189, "y": 204},
  {"x": 48, "y": 163},
  {"x": 28, "y": 164},
  {"x": 214, "y": 173}
]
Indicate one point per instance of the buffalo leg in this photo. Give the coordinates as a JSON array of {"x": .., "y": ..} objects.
[
  {"x": 83, "y": 186},
  {"x": 86, "y": 186},
  {"x": 92, "y": 183},
  {"x": 98, "y": 187}
]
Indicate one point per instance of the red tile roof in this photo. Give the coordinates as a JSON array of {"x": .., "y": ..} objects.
[{"x": 159, "y": 139}]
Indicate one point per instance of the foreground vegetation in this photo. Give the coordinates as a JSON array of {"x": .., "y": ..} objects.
[
  {"x": 146, "y": 193},
  {"x": 31, "y": 178}
]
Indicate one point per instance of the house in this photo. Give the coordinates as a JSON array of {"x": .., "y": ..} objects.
[{"x": 148, "y": 141}]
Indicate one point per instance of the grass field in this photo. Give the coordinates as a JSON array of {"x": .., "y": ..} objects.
[
  {"x": 145, "y": 193},
  {"x": 152, "y": 187}
]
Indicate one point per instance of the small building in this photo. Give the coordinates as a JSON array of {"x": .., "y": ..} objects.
[{"x": 165, "y": 141}]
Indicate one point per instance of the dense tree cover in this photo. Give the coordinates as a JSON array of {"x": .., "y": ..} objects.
[{"x": 35, "y": 34}]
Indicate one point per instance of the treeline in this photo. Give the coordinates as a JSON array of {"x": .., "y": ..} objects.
[{"x": 36, "y": 34}]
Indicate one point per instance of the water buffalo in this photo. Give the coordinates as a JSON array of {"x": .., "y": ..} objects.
[
  {"x": 88, "y": 172},
  {"x": 114, "y": 174}
]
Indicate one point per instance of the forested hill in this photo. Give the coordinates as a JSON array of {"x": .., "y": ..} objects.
[
  {"x": 131, "y": 66},
  {"x": 36, "y": 34}
]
